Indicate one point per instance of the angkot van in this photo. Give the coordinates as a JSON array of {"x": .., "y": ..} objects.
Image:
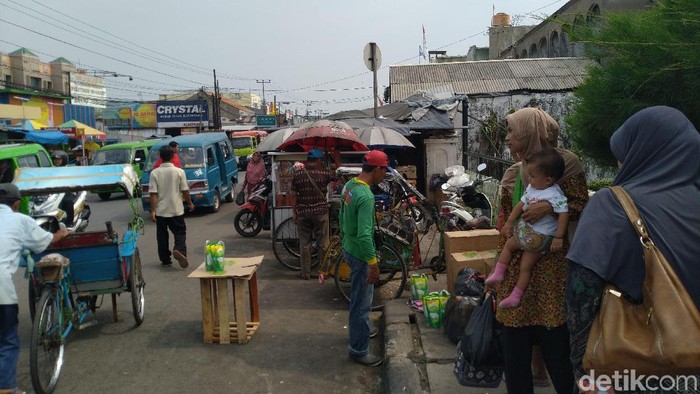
[{"x": 209, "y": 163}]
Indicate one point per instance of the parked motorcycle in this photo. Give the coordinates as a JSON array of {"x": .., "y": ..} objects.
[
  {"x": 48, "y": 213},
  {"x": 466, "y": 207},
  {"x": 255, "y": 213}
]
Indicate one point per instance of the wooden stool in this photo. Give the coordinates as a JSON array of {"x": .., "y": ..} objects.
[{"x": 239, "y": 273}]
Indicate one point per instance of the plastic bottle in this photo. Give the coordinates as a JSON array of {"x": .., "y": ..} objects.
[
  {"x": 220, "y": 251},
  {"x": 207, "y": 256}
]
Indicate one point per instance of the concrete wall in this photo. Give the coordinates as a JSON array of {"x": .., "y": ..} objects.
[
  {"x": 548, "y": 39},
  {"x": 554, "y": 103},
  {"x": 504, "y": 37}
]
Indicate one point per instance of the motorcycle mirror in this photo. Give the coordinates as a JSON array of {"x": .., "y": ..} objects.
[{"x": 481, "y": 167}]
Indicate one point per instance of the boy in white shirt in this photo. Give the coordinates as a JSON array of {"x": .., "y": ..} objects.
[{"x": 544, "y": 169}]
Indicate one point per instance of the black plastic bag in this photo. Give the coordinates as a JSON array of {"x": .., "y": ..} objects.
[
  {"x": 457, "y": 313},
  {"x": 240, "y": 197},
  {"x": 479, "y": 361},
  {"x": 469, "y": 282}
]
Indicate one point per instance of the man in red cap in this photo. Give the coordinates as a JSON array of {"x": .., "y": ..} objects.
[{"x": 357, "y": 231}]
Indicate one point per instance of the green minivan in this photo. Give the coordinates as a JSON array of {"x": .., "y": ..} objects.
[{"x": 134, "y": 153}]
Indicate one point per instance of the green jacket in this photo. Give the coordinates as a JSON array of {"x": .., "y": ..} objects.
[{"x": 357, "y": 221}]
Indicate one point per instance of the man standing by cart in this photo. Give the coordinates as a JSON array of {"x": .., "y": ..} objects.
[
  {"x": 310, "y": 206},
  {"x": 19, "y": 232},
  {"x": 168, "y": 188},
  {"x": 357, "y": 231}
]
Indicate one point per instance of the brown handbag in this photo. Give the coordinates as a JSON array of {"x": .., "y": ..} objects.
[{"x": 659, "y": 336}]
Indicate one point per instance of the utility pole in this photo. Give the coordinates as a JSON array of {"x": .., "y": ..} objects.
[
  {"x": 263, "y": 82},
  {"x": 216, "y": 104}
]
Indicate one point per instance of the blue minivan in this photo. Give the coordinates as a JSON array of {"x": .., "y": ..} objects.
[{"x": 209, "y": 163}]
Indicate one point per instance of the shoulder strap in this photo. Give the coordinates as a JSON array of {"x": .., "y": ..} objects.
[
  {"x": 632, "y": 214},
  {"x": 518, "y": 190},
  {"x": 323, "y": 195}
]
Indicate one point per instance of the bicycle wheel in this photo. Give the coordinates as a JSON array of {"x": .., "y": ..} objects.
[
  {"x": 285, "y": 245},
  {"x": 393, "y": 274},
  {"x": 46, "y": 345},
  {"x": 136, "y": 285}
]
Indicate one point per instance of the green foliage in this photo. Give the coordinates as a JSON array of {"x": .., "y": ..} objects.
[
  {"x": 645, "y": 58},
  {"x": 599, "y": 184}
]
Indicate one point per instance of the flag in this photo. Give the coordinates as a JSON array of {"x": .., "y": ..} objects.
[
  {"x": 425, "y": 44},
  {"x": 420, "y": 52}
]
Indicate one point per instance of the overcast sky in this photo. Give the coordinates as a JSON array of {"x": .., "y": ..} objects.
[{"x": 310, "y": 50}]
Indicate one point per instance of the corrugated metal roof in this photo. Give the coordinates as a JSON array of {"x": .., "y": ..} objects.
[{"x": 489, "y": 76}]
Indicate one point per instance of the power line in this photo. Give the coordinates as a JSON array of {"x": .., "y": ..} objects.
[
  {"x": 100, "y": 54},
  {"x": 206, "y": 69},
  {"x": 89, "y": 67}
]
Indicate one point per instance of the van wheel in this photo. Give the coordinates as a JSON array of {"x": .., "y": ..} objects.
[
  {"x": 104, "y": 196},
  {"x": 232, "y": 195},
  {"x": 217, "y": 202}
]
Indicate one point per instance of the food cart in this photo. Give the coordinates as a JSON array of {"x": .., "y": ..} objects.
[{"x": 282, "y": 229}]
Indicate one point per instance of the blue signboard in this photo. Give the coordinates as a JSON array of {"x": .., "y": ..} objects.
[
  {"x": 266, "y": 120},
  {"x": 193, "y": 113}
]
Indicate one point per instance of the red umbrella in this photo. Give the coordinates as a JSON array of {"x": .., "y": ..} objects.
[{"x": 325, "y": 134}]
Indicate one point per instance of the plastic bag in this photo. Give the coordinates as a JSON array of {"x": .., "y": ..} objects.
[
  {"x": 479, "y": 361},
  {"x": 458, "y": 180},
  {"x": 214, "y": 256},
  {"x": 469, "y": 282},
  {"x": 454, "y": 170},
  {"x": 431, "y": 309},
  {"x": 458, "y": 309},
  {"x": 240, "y": 197},
  {"x": 434, "y": 305},
  {"x": 419, "y": 286}
]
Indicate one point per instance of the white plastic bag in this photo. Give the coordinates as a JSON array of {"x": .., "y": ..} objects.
[{"x": 454, "y": 170}]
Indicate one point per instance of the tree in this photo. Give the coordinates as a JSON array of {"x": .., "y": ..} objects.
[{"x": 644, "y": 59}]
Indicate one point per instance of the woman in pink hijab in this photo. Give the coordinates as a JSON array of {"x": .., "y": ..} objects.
[{"x": 255, "y": 173}]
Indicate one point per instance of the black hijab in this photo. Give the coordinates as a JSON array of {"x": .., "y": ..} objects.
[{"x": 660, "y": 154}]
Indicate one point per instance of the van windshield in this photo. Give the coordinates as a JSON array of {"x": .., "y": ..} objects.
[
  {"x": 189, "y": 157},
  {"x": 111, "y": 156},
  {"x": 241, "y": 142}
]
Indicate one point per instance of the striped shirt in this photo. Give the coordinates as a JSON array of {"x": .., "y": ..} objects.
[{"x": 310, "y": 202}]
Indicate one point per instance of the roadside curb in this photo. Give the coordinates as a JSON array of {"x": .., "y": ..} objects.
[{"x": 402, "y": 351}]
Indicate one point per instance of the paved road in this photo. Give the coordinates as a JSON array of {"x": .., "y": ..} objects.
[{"x": 301, "y": 345}]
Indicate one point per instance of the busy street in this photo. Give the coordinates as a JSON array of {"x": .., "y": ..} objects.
[
  {"x": 302, "y": 340},
  {"x": 350, "y": 197}
]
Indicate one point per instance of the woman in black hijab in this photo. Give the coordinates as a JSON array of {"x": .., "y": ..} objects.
[{"x": 658, "y": 152}]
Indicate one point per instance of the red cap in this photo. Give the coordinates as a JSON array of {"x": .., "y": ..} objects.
[{"x": 376, "y": 158}]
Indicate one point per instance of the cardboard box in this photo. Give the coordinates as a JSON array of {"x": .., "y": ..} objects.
[
  {"x": 482, "y": 261},
  {"x": 463, "y": 241}
]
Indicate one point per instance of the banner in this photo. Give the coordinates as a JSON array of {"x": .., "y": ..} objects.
[
  {"x": 192, "y": 113},
  {"x": 124, "y": 116}
]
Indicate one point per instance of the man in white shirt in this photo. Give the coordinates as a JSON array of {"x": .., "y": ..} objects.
[
  {"x": 19, "y": 232},
  {"x": 168, "y": 187}
]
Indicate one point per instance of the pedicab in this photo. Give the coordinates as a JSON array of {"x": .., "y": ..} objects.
[{"x": 66, "y": 279}]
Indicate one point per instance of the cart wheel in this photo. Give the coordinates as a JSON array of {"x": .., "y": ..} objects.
[
  {"x": 248, "y": 223},
  {"x": 393, "y": 274},
  {"x": 217, "y": 202},
  {"x": 46, "y": 345},
  {"x": 285, "y": 244},
  {"x": 137, "y": 285},
  {"x": 104, "y": 196}
]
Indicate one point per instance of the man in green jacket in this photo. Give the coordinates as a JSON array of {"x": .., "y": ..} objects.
[{"x": 357, "y": 232}]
